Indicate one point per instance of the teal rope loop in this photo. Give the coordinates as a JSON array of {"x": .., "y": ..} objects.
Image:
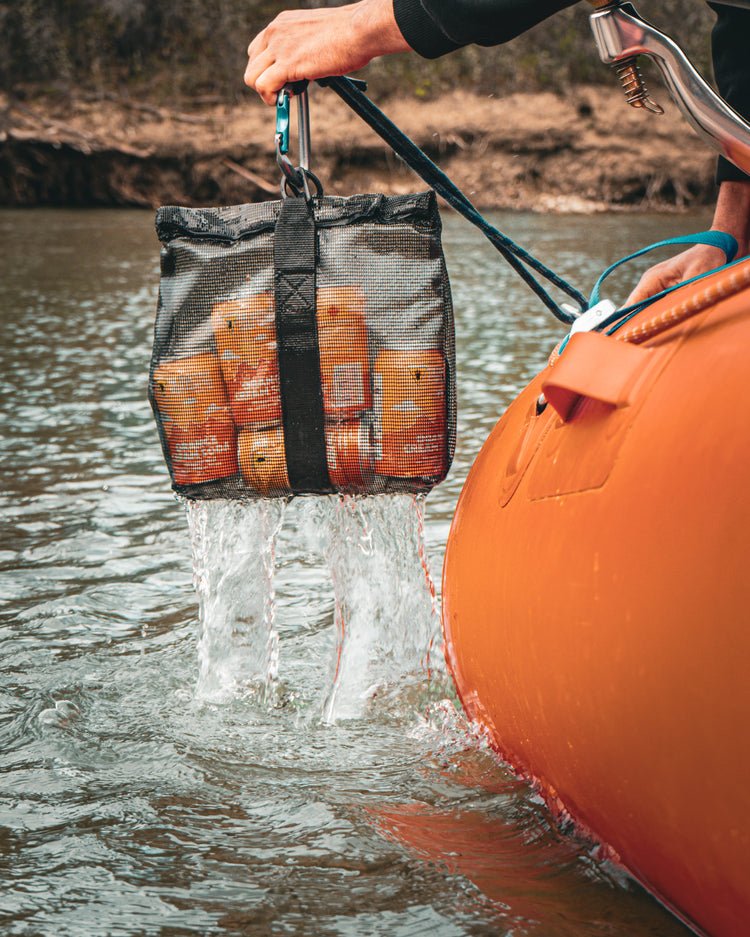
[{"x": 725, "y": 242}]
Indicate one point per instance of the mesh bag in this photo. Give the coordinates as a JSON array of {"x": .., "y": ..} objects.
[{"x": 304, "y": 346}]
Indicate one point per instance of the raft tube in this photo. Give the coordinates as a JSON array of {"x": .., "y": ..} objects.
[{"x": 596, "y": 594}]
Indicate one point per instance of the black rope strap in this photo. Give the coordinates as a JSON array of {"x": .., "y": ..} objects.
[{"x": 423, "y": 166}]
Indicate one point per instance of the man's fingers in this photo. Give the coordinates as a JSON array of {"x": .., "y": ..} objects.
[
  {"x": 257, "y": 44},
  {"x": 645, "y": 288},
  {"x": 256, "y": 73},
  {"x": 690, "y": 263},
  {"x": 320, "y": 42},
  {"x": 269, "y": 84}
]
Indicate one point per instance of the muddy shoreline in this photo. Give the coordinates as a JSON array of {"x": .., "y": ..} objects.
[{"x": 582, "y": 151}]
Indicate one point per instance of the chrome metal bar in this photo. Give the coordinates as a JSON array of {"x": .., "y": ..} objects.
[
  {"x": 621, "y": 34},
  {"x": 303, "y": 115}
]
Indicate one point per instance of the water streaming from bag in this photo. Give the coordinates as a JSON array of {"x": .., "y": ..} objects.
[
  {"x": 233, "y": 546},
  {"x": 386, "y": 618}
]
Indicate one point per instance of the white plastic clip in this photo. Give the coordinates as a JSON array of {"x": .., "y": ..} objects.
[
  {"x": 590, "y": 319},
  {"x": 593, "y": 317}
]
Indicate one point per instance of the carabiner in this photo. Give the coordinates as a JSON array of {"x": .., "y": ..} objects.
[
  {"x": 294, "y": 178},
  {"x": 283, "y": 102},
  {"x": 289, "y": 174}
]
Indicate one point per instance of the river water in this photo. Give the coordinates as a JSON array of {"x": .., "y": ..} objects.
[{"x": 186, "y": 745}]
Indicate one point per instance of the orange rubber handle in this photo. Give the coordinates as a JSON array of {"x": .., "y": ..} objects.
[{"x": 597, "y": 366}]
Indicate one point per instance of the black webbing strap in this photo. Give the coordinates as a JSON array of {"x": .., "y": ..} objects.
[
  {"x": 423, "y": 166},
  {"x": 298, "y": 352}
]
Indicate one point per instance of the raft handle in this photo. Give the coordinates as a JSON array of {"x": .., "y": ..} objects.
[{"x": 595, "y": 366}]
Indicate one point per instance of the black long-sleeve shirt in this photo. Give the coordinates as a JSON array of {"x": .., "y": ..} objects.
[{"x": 434, "y": 27}]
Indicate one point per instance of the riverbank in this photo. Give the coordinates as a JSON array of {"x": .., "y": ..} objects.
[{"x": 581, "y": 151}]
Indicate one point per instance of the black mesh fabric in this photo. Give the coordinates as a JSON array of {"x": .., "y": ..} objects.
[{"x": 320, "y": 361}]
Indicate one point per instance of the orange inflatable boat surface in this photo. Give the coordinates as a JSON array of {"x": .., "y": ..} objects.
[{"x": 596, "y": 593}]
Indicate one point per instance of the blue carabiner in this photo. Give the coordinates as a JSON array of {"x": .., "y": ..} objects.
[
  {"x": 288, "y": 172},
  {"x": 283, "y": 107}
]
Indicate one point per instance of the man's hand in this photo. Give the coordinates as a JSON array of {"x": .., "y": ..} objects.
[
  {"x": 690, "y": 263},
  {"x": 732, "y": 215},
  {"x": 318, "y": 43}
]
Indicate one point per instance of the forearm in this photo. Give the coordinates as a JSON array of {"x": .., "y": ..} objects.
[
  {"x": 434, "y": 27},
  {"x": 732, "y": 212},
  {"x": 374, "y": 21}
]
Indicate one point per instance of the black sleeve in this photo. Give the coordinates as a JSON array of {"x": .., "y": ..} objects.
[
  {"x": 434, "y": 27},
  {"x": 731, "y": 56}
]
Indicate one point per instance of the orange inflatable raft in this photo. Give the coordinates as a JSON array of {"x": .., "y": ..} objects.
[{"x": 596, "y": 594}]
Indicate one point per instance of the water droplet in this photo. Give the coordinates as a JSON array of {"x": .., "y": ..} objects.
[
  {"x": 67, "y": 709},
  {"x": 53, "y": 717}
]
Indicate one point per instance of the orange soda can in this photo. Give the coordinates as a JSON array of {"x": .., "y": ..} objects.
[
  {"x": 262, "y": 459},
  {"x": 410, "y": 413},
  {"x": 200, "y": 434},
  {"x": 349, "y": 454},
  {"x": 344, "y": 358},
  {"x": 245, "y": 332}
]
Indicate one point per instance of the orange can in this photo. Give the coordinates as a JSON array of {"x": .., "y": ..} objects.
[
  {"x": 245, "y": 332},
  {"x": 410, "y": 413},
  {"x": 200, "y": 434},
  {"x": 262, "y": 459},
  {"x": 349, "y": 454},
  {"x": 344, "y": 356}
]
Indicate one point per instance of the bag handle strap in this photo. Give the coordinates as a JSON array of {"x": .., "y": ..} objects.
[
  {"x": 424, "y": 167},
  {"x": 303, "y": 418}
]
